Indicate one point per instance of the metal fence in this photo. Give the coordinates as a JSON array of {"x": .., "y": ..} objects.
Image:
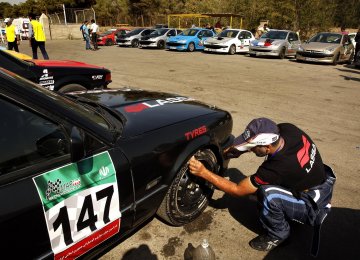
[{"x": 71, "y": 16}]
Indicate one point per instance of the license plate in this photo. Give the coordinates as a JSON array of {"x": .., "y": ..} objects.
[
  {"x": 172, "y": 48},
  {"x": 310, "y": 59}
]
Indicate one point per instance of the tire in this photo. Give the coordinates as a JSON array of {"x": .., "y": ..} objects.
[
  {"x": 191, "y": 47},
  {"x": 336, "y": 59},
  {"x": 188, "y": 196},
  {"x": 161, "y": 45},
  {"x": 232, "y": 49},
  {"x": 282, "y": 53},
  {"x": 71, "y": 88},
  {"x": 109, "y": 42},
  {"x": 351, "y": 58},
  {"x": 252, "y": 55},
  {"x": 135, "y": 43}
]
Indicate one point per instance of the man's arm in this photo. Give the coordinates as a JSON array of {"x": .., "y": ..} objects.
[{"x": 244, "y": 187}]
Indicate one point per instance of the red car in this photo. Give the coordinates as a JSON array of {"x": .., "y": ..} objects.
[{"x": 108, "y": 38}]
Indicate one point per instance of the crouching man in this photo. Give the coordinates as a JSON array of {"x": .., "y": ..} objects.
[{"x": 291, "y": 184}]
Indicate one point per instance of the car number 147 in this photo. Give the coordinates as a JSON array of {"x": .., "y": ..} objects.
[{"x": 81, "y": 209}]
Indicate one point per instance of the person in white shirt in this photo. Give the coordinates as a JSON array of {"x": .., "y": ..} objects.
[{"x": 94, "y": 28}]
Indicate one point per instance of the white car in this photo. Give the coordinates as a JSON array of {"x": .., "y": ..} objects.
[{"x": 230, "y": 41}]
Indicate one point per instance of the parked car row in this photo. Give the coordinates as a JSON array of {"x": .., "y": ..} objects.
[{"x": 324, "y": 47}]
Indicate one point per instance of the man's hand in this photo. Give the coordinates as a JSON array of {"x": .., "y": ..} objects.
[{"x": 196, "y": 167}]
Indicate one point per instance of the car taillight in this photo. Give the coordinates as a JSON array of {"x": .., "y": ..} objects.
[{"x": 108, "y": 77}]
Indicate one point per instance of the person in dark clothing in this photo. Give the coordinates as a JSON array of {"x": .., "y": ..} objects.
[
  {"x": 291, "y": 184},
  {"x": 357, "y": 47}
]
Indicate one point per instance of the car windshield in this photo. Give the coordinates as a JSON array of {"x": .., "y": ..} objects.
[
  {"x": 158, "y": 32},
  {"x": 189, "y": 32},
  {"x": 327, "y": 38},
  {"x": 275, "y": 35},
  {"x": 134, "y": 32},
  {"x": 228, "y": 33},
  {"x": 107, "y": 33}
]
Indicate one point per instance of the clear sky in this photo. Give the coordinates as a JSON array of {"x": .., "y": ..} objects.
[{"x": 13, "y": 1}]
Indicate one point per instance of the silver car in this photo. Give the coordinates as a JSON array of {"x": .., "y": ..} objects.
[
  {"x": 133, "y": 37},
  {"x": 327, "y": 47},
  {"x": 158, "y": 37},
  {"x": 278, "y": 43}
]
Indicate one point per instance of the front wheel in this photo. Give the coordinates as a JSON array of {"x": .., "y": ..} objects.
[
  {"x": 188, "y": 195},
  {"x": 161, "y": 45},
  {"x": 232, "y": 49},
  {"x": 282, "y": 53},
  {"x": 191, "y": 47},
  {"x": 135, "y": 43},
  {"x": 108, "y": 42},
  {"x": 71, "y": 88},
  {"x": 336, "y": 59}
]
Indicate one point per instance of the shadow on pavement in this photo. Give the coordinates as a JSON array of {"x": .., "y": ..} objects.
[
  {"x": 339, "y": 234},
  {"x": 141, "y": 252}
]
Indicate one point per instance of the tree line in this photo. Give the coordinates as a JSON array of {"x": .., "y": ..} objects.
[{"x": 305, "y": 16}]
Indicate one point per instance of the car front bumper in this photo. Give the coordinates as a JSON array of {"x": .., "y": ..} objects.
[
  {"x": 124, "y": 43},
  {"x": 319, "y": 57},
  {"x": 216, "y": 48},
  {"x": 264, "y": 52}
]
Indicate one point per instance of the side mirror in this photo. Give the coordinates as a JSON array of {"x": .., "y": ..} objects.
[
  {"x": 77, "y": 145},
  {"x": 51, "y": 145}
]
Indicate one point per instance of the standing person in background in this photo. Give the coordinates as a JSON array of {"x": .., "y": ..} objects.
[
  {"x": 86, "y": 33},
  {"x": 12, "y": 35},
  {"x": 82, "y": 29},
  {"x": 343, "y": 30},
  {"x": 357, "y": 47},
  {"x": 94, "y": 28},
  {"x": 37, "y": 37}
]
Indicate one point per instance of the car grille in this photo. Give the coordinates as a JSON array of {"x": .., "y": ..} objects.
[
  {"x": 175, "y": 44},
  {"x": 262, "y": 50},
  {"x": 121, "y": 41},
  {"x": 314, "y": 54},
  {"x": 211, "y": 46},
  {"x": 146, "y": 42}
]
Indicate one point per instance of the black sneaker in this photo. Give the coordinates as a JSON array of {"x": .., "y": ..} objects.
[{"x": 265, "y": 243}]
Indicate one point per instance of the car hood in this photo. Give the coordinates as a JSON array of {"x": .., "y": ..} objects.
[
  {"x": 145, "y": 111},
  {"x": 318, "y": 46},
  {"x": 63, "y": 63},
  {"x": 218, "y": 40},
  {"x": 180, "y": 38}
]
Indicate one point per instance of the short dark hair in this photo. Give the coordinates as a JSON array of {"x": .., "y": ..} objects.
[{"x": 92, "y": 20}]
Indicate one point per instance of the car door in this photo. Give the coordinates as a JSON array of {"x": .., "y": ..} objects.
[
  {"x": 245, "y": 37},
  {"x": 48, "y": 204},
  {"x": 293, "y": 43}
]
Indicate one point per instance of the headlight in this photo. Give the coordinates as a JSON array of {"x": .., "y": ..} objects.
[
  {"x": 330, "y": 50},
  {"x": 300, "y": 48},
  {"x": 276, "y": 43}
]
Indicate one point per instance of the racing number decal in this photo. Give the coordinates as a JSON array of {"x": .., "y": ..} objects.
[{"x": 81, "y": 205}]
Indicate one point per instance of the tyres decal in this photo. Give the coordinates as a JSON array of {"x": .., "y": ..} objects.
[{"x": 81, "y": 205}]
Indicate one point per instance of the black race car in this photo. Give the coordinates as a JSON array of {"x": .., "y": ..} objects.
[
  {"x": 58, "y": 75},
  {"x": 80, "y": 171}
]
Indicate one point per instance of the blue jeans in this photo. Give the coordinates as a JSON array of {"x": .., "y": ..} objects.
[
  {"x": 87, "y": 41},
  {"x": 278, "y": 205}
]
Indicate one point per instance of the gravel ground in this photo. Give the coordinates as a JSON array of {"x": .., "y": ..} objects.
[{"x": 323, "y": 100}]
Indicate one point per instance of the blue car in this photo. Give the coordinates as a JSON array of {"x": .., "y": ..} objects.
[{"x": 191, "y": 39}]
